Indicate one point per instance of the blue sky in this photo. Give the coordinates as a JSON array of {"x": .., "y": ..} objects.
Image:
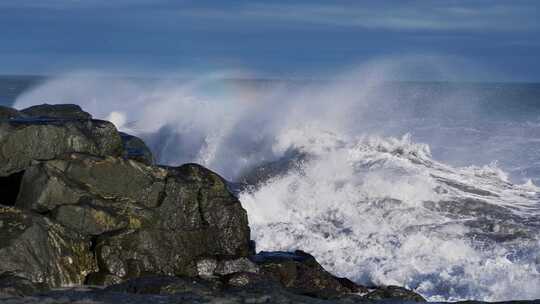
[{"x": 271, "y": 38}]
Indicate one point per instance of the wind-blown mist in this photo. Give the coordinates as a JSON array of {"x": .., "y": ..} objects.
[{"x": 374, "y": 207}]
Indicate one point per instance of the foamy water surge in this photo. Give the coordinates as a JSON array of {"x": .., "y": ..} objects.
[
  {"x": 377, "y": 209},
  {"x": 382, "y": 211}
]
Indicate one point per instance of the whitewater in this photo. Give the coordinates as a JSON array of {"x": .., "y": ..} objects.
[{"x": 374, "y": 207}]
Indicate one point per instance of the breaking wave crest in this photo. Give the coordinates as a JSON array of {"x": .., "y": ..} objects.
[
  {"x": 381, "y": 211},
  {"x": 376, "y": 208}
]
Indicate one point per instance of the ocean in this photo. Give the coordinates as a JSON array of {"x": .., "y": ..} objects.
[{"x": 428, "y": 185}]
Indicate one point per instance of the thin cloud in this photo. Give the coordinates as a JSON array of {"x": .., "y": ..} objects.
[
  {"x": 434, "y": 16},
  {"x": 74, "y": 4},
  {"x": 477, "y": 15}
]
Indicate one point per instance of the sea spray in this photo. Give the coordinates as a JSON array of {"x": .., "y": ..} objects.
[
  {"x": 373, "y": 207},
  {"x": 382, "y": 212}
]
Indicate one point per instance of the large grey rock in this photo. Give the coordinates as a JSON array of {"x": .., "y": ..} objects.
[
  {"x": 84, "y": 179},
  {"x": 35, "y": 248},
  {"x": 158, "y": 220},
  {"x": 25, "y": 140},
  {"x": 63, "y": 111},
  {"x": 136, "y": 149},
  {"x": 198, "y": 217}
]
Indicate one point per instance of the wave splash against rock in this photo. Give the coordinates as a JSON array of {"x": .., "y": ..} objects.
[
  {"x": 87, "y": 209},
  {"x": 379, "y": 210}
]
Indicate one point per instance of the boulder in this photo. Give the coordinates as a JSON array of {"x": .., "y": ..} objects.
[
  {"x": 90, "y": 180},
  {"x": 144, "y": 219},
  {"x": 39, "y": 250},
  {"x": 25, "y": 140},
  {"x": 300, "y": 272},
  {"x": 7, "y": 113},
  {"x": 198, "y": 199},
  {"x": 197, "y": 218},
  {"x": 93, "y": 195},
  {"x": 16, "y": 286},
  {"x": 394, "y": 293},
  {"x": 90, "y": 219},
  {"x": 9, "y": 188},
  {"x": 136, "y": 149},
  {"x": 62, "y": 111}
]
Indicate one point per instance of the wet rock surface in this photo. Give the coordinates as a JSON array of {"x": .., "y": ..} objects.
[
  {"x": 394, "y": 293},
  {"x": 151, "y": 220},
  {"x": 83, "y": 205},
  {"x": 169, "y": 290},
  {"x": 262, "y": 173},
  {"x": 65, "y": 111},
  {"x": 300, "y": 271},
  {"x": 9, "y": 113},
  {"x": 14, "y": 286},
  {"x": 23, "y": 140},
  {"x": 37, "y": 249},
  {"x": 136, "y": 149}
]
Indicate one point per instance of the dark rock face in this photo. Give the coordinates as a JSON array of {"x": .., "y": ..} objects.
[
  {"x": 25, "y": 140},
  {"x": 262, "y": 173},
  {"x": 41, "y": 251},
  {"x": 9, "y": 190},
  {"x": 64, "y": 111},
  {"x": 173, "y": 290},
  {"x": 215, "y": 268},
  {"x": 145, "y": 219},
  {"x": 136, "y": 149},
  {"x": 9, "y": 113},
  {"x": 81, "y": 203},
  {"x": 216, "y": 210},
  {"x": 167, "y": 285},
  {"x": 90, "y": 180},
  {"x": 301, "y": 272},
  {"x": 15, "y": 286},
  {"x": 296, "y": 272},
  {"x": 197, "y": 217},
  {"x": 394, "y": 293}
]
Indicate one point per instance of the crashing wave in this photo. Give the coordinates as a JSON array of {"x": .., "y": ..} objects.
[
  {"x": 382, "y": 211},
  {"x": 377, "y": 209}
]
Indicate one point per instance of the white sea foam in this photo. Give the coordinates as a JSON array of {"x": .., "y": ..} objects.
[
  {"x": 374, "y": 208},
  {"x": 360, "y": 209}
]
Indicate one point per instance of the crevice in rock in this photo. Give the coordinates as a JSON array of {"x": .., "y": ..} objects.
[
  {"x": 9, "y": 188},
  {"x": 46, "y": 213},
  {"x": 93, "y": 244},
  {"x": 94, "y": 239},
  {"x": 200, "y": 198},
  {"x": 163, "y": 193}
]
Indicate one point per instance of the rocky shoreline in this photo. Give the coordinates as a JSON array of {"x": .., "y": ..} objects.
[{"x": 87, "y": 216}]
